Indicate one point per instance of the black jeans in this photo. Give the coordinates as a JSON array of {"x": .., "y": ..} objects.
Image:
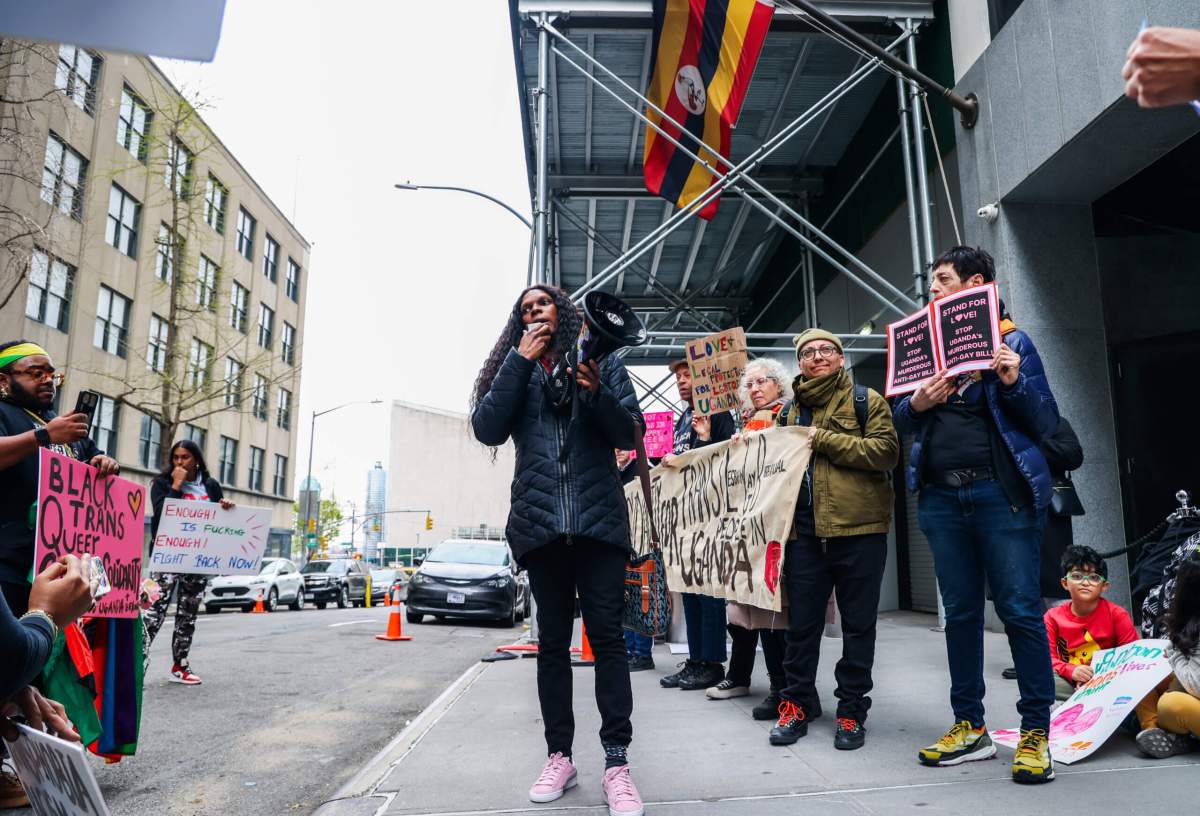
[
  {"x": 741, "y": 656},
  {"x": 851, "y": 567},
  {"x": 597, "y": 571}
]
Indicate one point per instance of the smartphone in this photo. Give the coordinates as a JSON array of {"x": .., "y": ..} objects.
[
  {"x": 533, "y": 327},
  {"x": 98, "y": 578},
  {"x": 87, "y": 402}
]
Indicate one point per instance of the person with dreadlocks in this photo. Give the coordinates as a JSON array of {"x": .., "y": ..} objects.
[
  {"x": 567, "y": 524},
  {"x": 28, "y": 383}
]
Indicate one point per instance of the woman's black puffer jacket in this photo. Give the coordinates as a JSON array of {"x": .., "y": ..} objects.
[{"x": 582, "y": 496}]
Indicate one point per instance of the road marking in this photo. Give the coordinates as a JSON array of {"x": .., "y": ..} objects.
[{"x": 348, "y": 623}]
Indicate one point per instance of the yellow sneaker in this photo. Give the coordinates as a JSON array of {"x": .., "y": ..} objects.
[
  {"x": 1032, "y": 763},
  {"x": 960, "y": 744}
]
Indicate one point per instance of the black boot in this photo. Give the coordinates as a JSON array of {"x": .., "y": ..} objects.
[
  {"x": 850, "y": 734},
  {"x": 706, "y": 676},
  {"x": 768, "y": 709},
  {"x": 792, "y": 724},
  {"x": 686, "y": 668}
]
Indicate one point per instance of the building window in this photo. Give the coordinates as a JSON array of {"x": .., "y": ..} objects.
[
  {"x": 196, "y": 434},
  {"x": 49, "y": 297},
  {"x": 124, "y": 211},
  {"x": 239, "y": 307},
  {"x": 288, "y": 343},
  {"x": 156, "y": 348},
  {"x": 259, "y": 397},
  {"x": 62, "y": 177},
  {"x": 105, "y": 423},
  {"x": 283, "y": 409},
  {"x": 293, "y": 280},
  {"x": 233, "y": 382},
  {"x": 206, "y": 284},
  {"x": 214, "y": 204},
  {"x": 258, "y": 458},
  {"x": 245, "y": 234},
  {"x": 271, "y": 259},
  {"x": 199, "y": 360},
  {"x": 228, "y": 461},
  {"x": 150, "y": 442},
  {"x": 280, "y": 484},
  {"x": 179, "y": 169},
  {"x": 78, "y": 70},
  {"x": 112, "y": 321},
  {"x": 164, "y": 262},
  {"x": 133, "y": 124},
  {"x": 266, "y": 325}
]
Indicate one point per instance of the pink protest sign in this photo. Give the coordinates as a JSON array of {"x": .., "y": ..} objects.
[
  {"x": 912, "y": 353},
  {"x": 81, "y": 513},
  {"x": 660, "y": 432},
  {"x": 968, "y": 328}
]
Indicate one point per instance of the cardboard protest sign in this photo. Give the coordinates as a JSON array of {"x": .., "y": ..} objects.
[
  {"x": 200, "y": 537},
  {"x": 56, "y": 775},
  {"x": 723, "y": 512},
  {"x": 912, "y": 353},
  {"x": 968, "y": 328},
  {"x": 716, "y": 363},
  {"x": 81, "y": 513},
  {"x": 660, "y": 433},
  {"x": 1123, "y": 677}
]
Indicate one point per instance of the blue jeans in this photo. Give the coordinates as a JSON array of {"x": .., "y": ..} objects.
[
  {"x": 637, "y": 644},
  {"x": 974, "y": 532},
  {"x": 705, "y": 619}
]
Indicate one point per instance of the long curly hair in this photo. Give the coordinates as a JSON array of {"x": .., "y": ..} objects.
[
  {"x": 570, "y": 321},
  {"x": 1183, "y": 619}
]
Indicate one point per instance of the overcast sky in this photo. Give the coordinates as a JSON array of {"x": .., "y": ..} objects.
[{"x": 407, "y": 290}]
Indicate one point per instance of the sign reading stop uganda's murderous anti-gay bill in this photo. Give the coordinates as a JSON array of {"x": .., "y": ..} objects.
[
  {"x": 723, "y": 512},
  {"x": 960, "y": 332},
  {"x": 56, "y": 775},
  {"x": 716, "y": 363},
  {"x": 202, "y": 537},
  {"x": 1123, "y": 677},
  {"x": 81, "y": 513}
]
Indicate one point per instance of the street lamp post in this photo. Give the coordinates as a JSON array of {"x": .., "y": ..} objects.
[{"x": 309, "y": 513}]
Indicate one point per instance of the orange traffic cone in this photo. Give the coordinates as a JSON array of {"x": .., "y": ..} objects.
[
  {"x": 258, "y": 605},
  {"x": 586, "y": 657},
  {"x": 394, "y": 631},
  {"x": 387, "y": 599}
]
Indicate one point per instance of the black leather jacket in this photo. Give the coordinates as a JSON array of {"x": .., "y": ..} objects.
[{"x": 552, "y": 500}]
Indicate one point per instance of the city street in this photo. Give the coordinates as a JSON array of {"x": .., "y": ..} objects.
[{"x": 292, "y": 705}]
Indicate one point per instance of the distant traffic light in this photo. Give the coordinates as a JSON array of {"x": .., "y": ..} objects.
[
  {"x": 428, "y": 522},
  {"x": 312, "y": 525}
]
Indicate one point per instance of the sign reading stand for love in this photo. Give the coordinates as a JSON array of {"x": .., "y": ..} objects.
[
  {"x": 968, "y": 328},
  {"x": 81, "y": 513}
]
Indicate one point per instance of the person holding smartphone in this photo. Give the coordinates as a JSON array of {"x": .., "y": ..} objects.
[
  {"x": 28, "y": 422},
  {"x": 186, "y": 477}
]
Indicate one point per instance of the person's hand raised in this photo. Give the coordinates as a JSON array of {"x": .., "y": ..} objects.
[
  {"x": 534, "y": 343},
  {"x": 933, "y": 392},
  {"x": 1162, "y": 67},
  {"x": 64, "y": 430},
  {"x": 702, "y": 425},
  {"x": 62, "y": 591}
]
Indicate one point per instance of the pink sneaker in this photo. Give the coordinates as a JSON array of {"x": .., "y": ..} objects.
[
  {"x": 557, "y": 776},
  {"x": 622, "y": 797}
]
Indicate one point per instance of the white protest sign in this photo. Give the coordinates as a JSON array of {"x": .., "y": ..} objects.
[
  {"x": 201, "y": 537},
  {"x": 56, "y": 775},
  {"x": 1123, "y": 677}
]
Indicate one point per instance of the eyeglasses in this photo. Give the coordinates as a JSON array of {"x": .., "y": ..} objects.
[
  {"x": 1085, "y": 577},
  {"x": 758, "y": 383},
  {"x": 824, "y": 351},
  {"x": 40, "y": 374}
]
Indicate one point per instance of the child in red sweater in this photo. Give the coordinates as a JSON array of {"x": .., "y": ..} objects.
[{"x": 1087, "y": 624}]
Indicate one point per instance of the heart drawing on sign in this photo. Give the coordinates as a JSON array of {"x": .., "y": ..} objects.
[
  {"x": 958, "y": 318},
  {"x": 134, "y": 497}
]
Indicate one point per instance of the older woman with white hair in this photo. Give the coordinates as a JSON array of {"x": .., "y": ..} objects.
[{"x": 762, "y": 389}]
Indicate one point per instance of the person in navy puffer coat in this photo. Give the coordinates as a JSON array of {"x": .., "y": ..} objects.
[
  {"x": 984, "y": 487},
  {"x": 567, "y": 523}
]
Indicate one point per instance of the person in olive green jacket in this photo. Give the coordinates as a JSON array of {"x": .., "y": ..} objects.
[{"x": 839, "y": 537}]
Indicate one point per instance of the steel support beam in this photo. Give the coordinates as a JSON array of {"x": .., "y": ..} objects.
[
  {"x": 591, "y": 239},
  {"x": 679, "y": 348},
  {"x": 626, "y": 231},
  {"x": 658, "y": 249},
  {"x": 570, "y": 185},
  {"x": 542, "y": 203},
  {"x": 693, "y": 251},
  {"x": 910, "y": 191},
  {"x": 588, "y": 90},
  {"x": 652, "y": 390},
  {"x": 752, "y": 335},
  {"x": 918, "y": 126},
  {"x": 640, "y": 10}
]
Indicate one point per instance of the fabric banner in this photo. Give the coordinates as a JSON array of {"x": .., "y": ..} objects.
[
  {"x": 1123, "y": 677},
  {"x": 716, "y": 363},
  {"x": 81, "y": 513},
  {"x": 202, "y": 537},
  {"x": 723, "y": 513}
]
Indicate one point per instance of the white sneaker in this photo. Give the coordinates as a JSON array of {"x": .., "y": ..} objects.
[{"x": 726, "y": 690}]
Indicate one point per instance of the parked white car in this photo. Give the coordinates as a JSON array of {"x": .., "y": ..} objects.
[{"x": 278, "y": 580}]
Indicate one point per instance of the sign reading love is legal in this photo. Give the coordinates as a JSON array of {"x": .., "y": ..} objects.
[
  {"x": 81, "y": 513},
  {"x": 716, "y": 363}
]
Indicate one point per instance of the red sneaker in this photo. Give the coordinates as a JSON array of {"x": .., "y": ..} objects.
[{"x": 182, "y": 674}]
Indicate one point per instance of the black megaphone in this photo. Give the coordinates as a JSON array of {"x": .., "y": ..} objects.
[{"x": 608, "y": 324}]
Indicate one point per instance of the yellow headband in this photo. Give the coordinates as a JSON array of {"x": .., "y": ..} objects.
[{"x": 13, "y": 353}]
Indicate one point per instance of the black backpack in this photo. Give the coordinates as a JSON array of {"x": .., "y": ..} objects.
[{"x": 860, "y": 410}]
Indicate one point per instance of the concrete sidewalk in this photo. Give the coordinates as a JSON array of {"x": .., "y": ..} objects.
[{"x": 479, "y": 748}]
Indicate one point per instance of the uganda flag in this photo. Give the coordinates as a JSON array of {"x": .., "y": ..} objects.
[{"x": 704, "y": 55}]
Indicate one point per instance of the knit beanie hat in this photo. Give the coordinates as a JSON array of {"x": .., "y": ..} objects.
[{"x": 815, "y": 334}]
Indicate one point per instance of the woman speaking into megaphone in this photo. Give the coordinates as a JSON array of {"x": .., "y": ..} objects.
[{"x": 567, "y": 523}]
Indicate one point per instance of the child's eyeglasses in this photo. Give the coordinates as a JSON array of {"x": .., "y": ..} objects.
[{"x": 1085, "y": 577}]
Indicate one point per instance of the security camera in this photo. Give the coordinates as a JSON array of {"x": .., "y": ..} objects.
[{"x": 989, "y": 212}]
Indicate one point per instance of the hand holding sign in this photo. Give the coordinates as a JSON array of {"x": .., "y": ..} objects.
[
  {"x": 932, "y": 392},
  {"x": 61, "y": 591},
  {"x": 39, "y": 712},
  {"x": 1007, "y": 364}
]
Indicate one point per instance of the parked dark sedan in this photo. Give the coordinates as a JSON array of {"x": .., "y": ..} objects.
[
  {"x": 339, "y": 580},
  {"x": 462, "y": 578}
]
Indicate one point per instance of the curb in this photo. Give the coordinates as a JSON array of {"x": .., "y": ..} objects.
[{"x": 364, "y": 783}]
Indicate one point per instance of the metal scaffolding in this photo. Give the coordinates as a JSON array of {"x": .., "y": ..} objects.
[{"x": 751, "y": 184}]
